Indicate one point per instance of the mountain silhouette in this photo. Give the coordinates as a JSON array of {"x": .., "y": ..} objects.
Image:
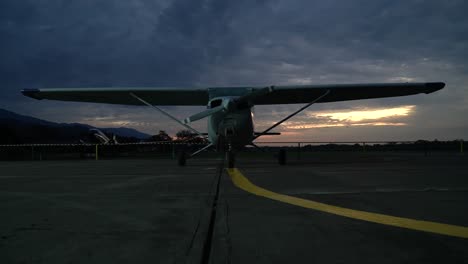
[{"x": 22, "y": 129}]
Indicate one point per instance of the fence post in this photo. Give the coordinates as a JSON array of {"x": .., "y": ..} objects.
[
  {"x": 32, "y": 152},
  {"x": 97, "y": 157},
  {"x": 364, "y": 146}
]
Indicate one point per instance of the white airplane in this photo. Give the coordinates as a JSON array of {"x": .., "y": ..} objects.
[
  {"x": 103, "y": 138},
  {"x": 96, "y": 135},
  {"x": 230, "y": 124}
]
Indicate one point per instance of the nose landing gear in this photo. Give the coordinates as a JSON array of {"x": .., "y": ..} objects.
[
  {"x": 225, "y": 145},
  {"x": 230, "y": 157}
]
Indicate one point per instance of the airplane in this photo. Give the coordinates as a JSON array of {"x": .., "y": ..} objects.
[
  {"x": 229, "y": 109},
  {"x": 97, "y": 135}
]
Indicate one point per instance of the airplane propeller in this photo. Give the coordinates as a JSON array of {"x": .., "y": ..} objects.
[
  {"x": 227, "y": 105},
  {"x": 230, "y": 104}
]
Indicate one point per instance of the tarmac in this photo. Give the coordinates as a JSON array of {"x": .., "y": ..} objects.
[{"x": 152, "y": 211}]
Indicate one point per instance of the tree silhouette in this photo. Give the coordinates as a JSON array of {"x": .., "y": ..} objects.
[
  {"x": 189, "y": 136},
  {"x": 161, "y": 136},
  {"x": 185, "y": 134}
]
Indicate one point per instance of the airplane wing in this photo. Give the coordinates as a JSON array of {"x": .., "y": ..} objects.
[
  {"x": 343, "y": 92},
  {"x": 155, "y": 96},
  {"x": 257, "y": 95}
]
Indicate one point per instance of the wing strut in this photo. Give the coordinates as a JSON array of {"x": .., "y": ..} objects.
[
  {"x": 200, "y": 150},
  {"x": 167, "y": 114},
  {"x": 293, "y": 114}
]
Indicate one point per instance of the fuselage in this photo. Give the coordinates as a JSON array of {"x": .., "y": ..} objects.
[{"x": 234, "y": 128}]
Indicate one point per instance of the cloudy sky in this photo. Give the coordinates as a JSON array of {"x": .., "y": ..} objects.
[{"x": 102, "y": 43}]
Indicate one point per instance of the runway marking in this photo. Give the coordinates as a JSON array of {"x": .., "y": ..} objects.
[
  {"x": 360, "y": 191},
  {"x": 439, "y": 228}
]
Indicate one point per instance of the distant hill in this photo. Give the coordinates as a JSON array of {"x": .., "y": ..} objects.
[
  {"x": 125, "y": 132},
  {"x": 21, "y": 129},
  {"x": 11, "y": 117}
]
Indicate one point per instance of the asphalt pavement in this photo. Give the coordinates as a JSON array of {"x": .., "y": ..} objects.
[{"x": 147, "y": 211}]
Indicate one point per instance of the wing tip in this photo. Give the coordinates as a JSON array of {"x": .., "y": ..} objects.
[
  {"x": 33, "y": 93},
  {"x": 434, "y": 86}
]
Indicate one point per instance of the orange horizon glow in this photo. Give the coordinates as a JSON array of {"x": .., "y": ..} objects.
[
  {"x": 345, "y": 125},
  {"x": 371, "y": 117},
  {"x": 339, "y": 118}
]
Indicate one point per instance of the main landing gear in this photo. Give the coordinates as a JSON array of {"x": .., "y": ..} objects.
[
  {"x": 230, "y": 158},
  {"x": 182, "y": 158},
  {"x": 282, "y": 157}
]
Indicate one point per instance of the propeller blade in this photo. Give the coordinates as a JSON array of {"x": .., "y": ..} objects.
[
  {"x": 203, "y": 114},
  {"x": 229, "y": 105}
]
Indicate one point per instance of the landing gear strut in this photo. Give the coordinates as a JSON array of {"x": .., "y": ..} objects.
[
  {"x": 230, "y": 159},
  {"x": 182, "y": 158},
  {"x": 282, "y": 157},
  {"x": 230, "y": 156}
]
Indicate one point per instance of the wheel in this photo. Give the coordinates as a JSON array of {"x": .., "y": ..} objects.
[
  {"x": 282, "y": 157},
  {"x": 182, "y": 159},
  {"x": 230, "y": 159}
]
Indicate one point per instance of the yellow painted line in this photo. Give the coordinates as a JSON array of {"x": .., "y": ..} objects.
[{"x": 444, "y": 229}]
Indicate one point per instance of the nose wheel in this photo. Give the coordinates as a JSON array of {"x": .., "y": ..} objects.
[{"x": 230, "y": 159}]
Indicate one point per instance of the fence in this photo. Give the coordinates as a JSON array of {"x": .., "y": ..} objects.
[{"x": 170, "y": 149}]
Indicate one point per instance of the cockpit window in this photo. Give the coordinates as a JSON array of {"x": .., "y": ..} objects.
[{"x": 215, "y": 103}]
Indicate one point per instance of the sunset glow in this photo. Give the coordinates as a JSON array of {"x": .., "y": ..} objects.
[
  {"x": 364, "y": 117},
  {"x": 367, "y": 114},
  {"x": 305, "y": 126}
]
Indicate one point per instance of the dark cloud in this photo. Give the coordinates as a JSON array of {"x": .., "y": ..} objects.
[{"x": 181, "y": 42}]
